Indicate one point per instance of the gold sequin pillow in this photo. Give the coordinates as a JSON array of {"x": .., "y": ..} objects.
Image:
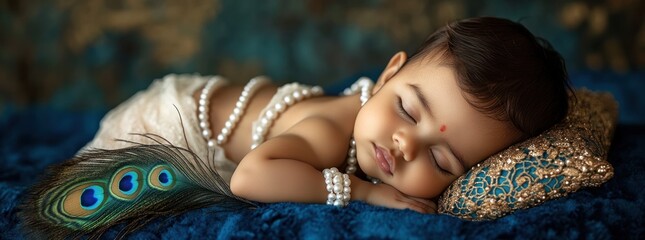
[{"x": 570, "y": 155}]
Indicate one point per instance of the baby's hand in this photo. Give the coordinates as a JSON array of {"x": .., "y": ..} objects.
[{"x": 388, "y": 196}]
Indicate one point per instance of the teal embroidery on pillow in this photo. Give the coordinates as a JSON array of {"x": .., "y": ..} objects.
[{"x": 570, "y": 155}]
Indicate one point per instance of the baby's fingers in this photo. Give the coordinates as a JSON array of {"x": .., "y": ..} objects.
[
  {"x": 429, "y": 205},
  {"x": 422, "y": 205},
  {"x": 387, "y": 196},
  {"x": 418, "y": 204}
]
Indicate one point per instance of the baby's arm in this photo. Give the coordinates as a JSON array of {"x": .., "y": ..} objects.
[{"x": 288, "y": 168}]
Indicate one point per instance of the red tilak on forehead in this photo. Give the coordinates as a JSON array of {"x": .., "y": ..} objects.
[{"x": 443, "y": 128}]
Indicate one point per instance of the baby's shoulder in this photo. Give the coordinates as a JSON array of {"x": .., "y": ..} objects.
[{"x": 326, "y": 138}]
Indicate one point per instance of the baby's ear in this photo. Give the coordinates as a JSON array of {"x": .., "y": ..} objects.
[{"x": 395, "y": 64}]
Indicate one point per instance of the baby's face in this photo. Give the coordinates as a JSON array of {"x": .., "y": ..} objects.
[{"x": 418, "y": 133}]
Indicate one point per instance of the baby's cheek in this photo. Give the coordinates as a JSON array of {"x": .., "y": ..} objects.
[
  {"x": 371, "y": 122},
  {"x": 423, "y": 185}
]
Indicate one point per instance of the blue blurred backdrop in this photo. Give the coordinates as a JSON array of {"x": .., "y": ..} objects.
[{"x": 93, "y": 54}]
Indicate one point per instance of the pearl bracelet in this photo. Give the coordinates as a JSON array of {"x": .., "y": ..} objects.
[{"x": 338, "y": 186}]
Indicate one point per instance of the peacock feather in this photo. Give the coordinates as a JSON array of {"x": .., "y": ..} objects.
[{"x": 100, "y": 188}]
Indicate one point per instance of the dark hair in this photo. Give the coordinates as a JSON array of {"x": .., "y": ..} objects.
[{"x": 509, "y": 74}]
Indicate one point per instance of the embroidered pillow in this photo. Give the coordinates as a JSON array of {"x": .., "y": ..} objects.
[{"x": 570, "y": 155}]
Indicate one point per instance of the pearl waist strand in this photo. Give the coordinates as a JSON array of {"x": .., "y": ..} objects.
[
  {"x": 285, "y": 97},
  {"x": 240, "y": 106}
]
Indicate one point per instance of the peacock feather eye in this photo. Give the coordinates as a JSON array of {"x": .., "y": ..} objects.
[
  {"x": 92, "y": 197},
  {"x": 126, "y": 183},
  {"x": 162, "y": 178},
  {"x": 84, "y": 199}
]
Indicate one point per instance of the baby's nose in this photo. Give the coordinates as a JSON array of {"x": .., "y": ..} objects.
[{"x": 405, "y": 146}]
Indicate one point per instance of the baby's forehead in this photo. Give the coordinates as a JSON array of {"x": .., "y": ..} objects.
[
  {"x": 438, "y": 74},
  {"x": 431, "y": 75},
  {"x": 432, "y": 67},
  {"x": 439, "y": 56}
]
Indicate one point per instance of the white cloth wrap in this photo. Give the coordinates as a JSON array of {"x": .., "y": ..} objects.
[{"x": 153, "y": 111}]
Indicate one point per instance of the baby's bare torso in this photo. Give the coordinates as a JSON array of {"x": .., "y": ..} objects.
[{"x": 338, "y": 110}]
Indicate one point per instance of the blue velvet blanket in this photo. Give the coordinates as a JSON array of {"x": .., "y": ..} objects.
[{"x": 34, "y": 138}]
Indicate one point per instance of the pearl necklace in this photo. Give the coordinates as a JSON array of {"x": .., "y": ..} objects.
[
  {"x": 338, "y": 184},
  {"x": 365, "y": 85}
]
